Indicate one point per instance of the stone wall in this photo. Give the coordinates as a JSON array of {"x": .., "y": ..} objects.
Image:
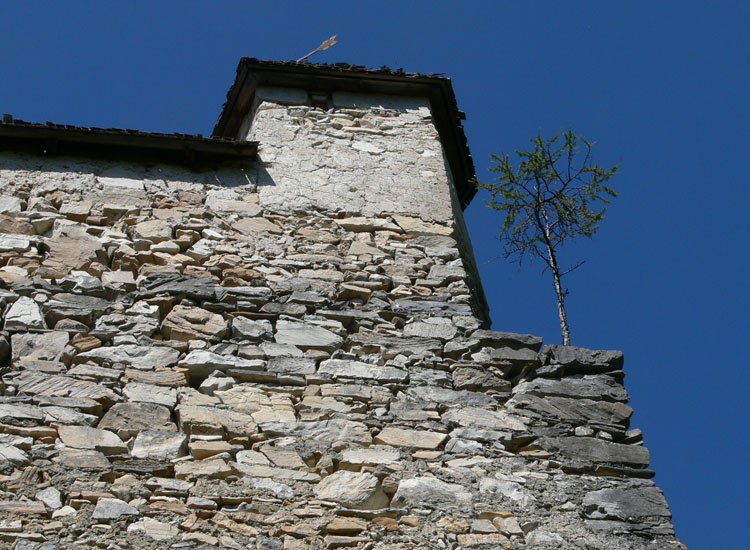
[{"x": 189, "y": 361}]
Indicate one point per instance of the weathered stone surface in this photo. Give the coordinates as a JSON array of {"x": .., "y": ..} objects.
[
  {"x": 155, "y": 231},
  {"x": 430, "y": 491},
  {"x": 51, "y": 498},
  {"x": 130, "y": 418},
  {"x": 581, "y": 386},
  {"x": 159, "y": 444},
  {"x": 213, "y": 420},
  {"x": 202, "y": 363},
  {"x": 573, "y": 411},
  {"x": 70, "y": 248},
  {"x": 193, "y": 323},
  {"x": 72, "y": 306},
  {"x": 341, "y": 369},
  {"x": 113, "y": 508},
  {"x": 143, "y": 357},
  {"x": 150, "y": 393},
  {"x": 377, "y": 454},
  {"x": 416, "y": 439},
  {"x": 483, "y": 418},
  {"x": 92, "y": 439},
  {"x": 48, "y": 346},
  {"x": 249, "y": 329},
  {"x": 10, "y": 455},
  {"x": 631, "y": 504},
  {"x": 584, "y": 360},
  {"x": 352, "y": 490},
  {"x": 507, "y": 489},
  {"x": 306, "y": 336},
  {"x": 586, "y": 449},
  {"x": 24, "y": 314},
  {"x": 439, "y": 328},
  {"x": 473, "y": 378},
  {"x": 498, "y": 339},
  {"x": 324, "y": 432},
  {"x": 153, "y": 529},
  {"x": 33, "y": 383}
]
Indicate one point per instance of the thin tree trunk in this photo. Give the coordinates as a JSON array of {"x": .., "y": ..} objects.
[
  {"x": 552, "y": 262},
  {"x": 560, "y": 298}
]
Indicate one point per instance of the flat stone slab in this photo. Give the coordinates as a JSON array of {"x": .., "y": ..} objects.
[
  {"x": 187, "y": 323},
  {"x": 633, "y": 504},
  {"x": 24, "y": 314},
  {"x": 144, "y": 357},
  {"x": 306, "y": 336},
  {"x": 582, "y": 386},
  {"x": 92, "y": 439},
  {"x": 587, "y": 449},
  {"x": 130, "y": 418},
  {"x": 588, "y": 361},
  {"x": 430, "y": 491},
  {"x": 483, "y": 418},
  {"x": 159, "y": 444},
  {"x": 339, "y": 369},
  {"x": 113, "y": 508},
  {"x": 414, "y": 439}
]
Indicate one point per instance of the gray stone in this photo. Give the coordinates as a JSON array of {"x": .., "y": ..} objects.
[
  {"x": 322, "y": 432},
  {"x": 573, "y": 411},
  {"x": 430, "y": 492},
  {"x": 159, "y": 444},
  {"x": 174, "y": 284},
  {"x": 51, "y": 498},
  {"x": 447, "y": 273},
  {"x": 306, "y": 336},
  {"x": 201, "y": 363},
  {"x": 434, "y": 327},
  {"x": 586, "y": 449},
  {"x": 84, "y": 309},
  {"x": 475, "y": 378},
  {"x": 149, "y": 393},
  {"x": 18, "y": 413},
  {"x": 10, "y": 455},
  {"x": 142, "y": 357},
  {"x": 483, "y": 418},
  {"x": 46, "y": 346},
  {"x": 342, "y": 369},
  {"x": 249, "y": 329},
  {"x": 291, "y": 365},
  {"x": 633, "y": 504},
  {"x": 391, "y": 346},
  {"x": 357, "y": 490},
  {"x": 498, "y": 339},
  {"x": 445, "y": 396},
  {"x": 507, "y": 487},
  {"x": 583, "y": 360},
  {"x": 92, "y": 439},
  {"x": 24, "y": 314},
  {"x": 587, "y": 387}
]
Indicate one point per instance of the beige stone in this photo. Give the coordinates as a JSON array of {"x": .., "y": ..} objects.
[
  {"x": 193, "y": 323},
  {"x": 415, "y": 439}
]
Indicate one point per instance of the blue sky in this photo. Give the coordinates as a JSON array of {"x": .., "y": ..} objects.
[{"x": 663, "y": 88}]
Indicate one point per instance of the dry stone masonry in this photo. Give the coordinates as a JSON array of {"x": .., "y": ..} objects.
[{"x": 291, "y": 353}]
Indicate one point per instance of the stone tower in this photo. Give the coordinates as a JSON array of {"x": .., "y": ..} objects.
[{"x": 276, "y": 338}]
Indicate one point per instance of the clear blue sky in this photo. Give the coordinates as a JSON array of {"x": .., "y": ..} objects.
[{"x": 663, "y": 87}]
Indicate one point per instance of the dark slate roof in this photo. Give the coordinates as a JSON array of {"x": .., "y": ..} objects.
[
  {"x": 252, "y": 73},
  {"x": 116, "y": 143}
]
